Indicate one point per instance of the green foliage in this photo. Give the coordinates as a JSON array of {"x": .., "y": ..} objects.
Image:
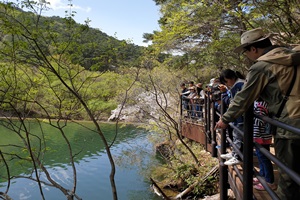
[
  {"x": 37, "y": 93},
  {"x": 181, "y": 172},
  {"x": 44, "y": 61},
  {"x": 201, "y": 35},
  {"x": 185, "y": 171}
]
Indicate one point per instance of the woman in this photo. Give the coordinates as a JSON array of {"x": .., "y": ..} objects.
[{"x": 234, "y": 81}]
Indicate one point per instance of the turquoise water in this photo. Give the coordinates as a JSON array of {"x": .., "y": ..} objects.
[{"x": 133, "y": 154}]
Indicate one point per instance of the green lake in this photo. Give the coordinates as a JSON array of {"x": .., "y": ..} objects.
[{"x": 133, "y": 153}]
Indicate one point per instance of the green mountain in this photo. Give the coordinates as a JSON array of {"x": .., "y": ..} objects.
[
  {"x": 86, "y": 46},
  {"x": 53, "y": 67}
]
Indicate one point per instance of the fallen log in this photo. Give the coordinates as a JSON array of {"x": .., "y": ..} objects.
[
  {"x": 159, "y": 192},
  {"x": 199, "y": 182}
]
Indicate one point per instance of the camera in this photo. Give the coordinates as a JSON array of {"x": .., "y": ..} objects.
[
  {"x": 215, "y": 92},
  {"x": 215, "y": 88}
]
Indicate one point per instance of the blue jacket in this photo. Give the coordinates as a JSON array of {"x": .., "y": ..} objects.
[{"x": 238, "y": 85}]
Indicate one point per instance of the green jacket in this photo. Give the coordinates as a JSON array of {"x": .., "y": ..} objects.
[{"x": 270, "y": 78}]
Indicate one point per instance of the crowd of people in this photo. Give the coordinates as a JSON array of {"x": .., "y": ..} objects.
[
  {"x": 272, "y": 86},
  {"x": 192, "y": 100},
  {"x": 273, "y": 79}
]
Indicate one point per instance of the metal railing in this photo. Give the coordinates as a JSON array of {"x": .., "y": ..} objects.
[
  {"x": 192, "y": 108},
  {"x": 248, "y": 170},
  {"x": 218, "y": 143}
]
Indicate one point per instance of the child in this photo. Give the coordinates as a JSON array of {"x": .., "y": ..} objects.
[{"x": 262, "y": 136}]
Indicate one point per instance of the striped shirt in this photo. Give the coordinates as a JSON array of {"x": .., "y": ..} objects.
[{"x": 261, "y": 129}]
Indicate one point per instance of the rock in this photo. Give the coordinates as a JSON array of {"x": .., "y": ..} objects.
[{"x": 143, "y": 109}]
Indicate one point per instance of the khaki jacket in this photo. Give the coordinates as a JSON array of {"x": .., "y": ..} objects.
[{"x": 269, "y": 78}]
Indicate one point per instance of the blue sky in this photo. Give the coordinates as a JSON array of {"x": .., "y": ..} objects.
[{"x": 123, "y": 19}]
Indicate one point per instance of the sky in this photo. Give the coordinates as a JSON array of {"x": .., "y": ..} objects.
[{"x": 123, "y": 19}]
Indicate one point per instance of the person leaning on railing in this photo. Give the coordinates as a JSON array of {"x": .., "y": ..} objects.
[
  {"x": 191, "y": 104},
  {"x": 199, "y": 101},
  {"x": 183, "y": 94},
  {"x": 234, "y": 81},
  {"x": 269, "y": 78}
]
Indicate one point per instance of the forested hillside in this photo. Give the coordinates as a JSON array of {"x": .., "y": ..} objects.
[
  {"x": 47, "y": 61},
  {"x": 92, "y": 49}
]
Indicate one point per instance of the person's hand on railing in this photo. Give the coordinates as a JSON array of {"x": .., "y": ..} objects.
[{"x": 220, "y": 124}]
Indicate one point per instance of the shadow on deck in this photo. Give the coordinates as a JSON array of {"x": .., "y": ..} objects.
[{"x": 237, "y": 186}]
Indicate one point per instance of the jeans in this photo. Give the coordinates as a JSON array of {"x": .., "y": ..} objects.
[
  {"x": 237, "y": 140},
  {"x": 265, "y": 165},
  {"x": 199, "y": 110},
  {"x": 185, "y": 104}
]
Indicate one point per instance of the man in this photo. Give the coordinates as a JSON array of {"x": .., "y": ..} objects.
[
  {"x": 184, "y": 90},
  {"x": 183, "y": 95},
  {"x": 269, "y": 78},
  {"x": 191, "y": 84},
  {"x": 199, "y": 90}
]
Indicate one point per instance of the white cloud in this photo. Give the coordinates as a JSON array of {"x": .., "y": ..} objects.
[{"x": 58, "y": 5}]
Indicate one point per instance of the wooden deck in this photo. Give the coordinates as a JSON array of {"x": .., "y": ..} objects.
[
  {"x": 234, "y": 180},
  {"x": 237, "y": 186}
]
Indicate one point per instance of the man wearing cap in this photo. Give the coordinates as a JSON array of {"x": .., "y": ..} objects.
[{"x": 269, "y": 78}]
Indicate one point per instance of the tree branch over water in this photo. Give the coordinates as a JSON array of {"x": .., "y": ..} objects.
[{"x": 37, "y": 64}]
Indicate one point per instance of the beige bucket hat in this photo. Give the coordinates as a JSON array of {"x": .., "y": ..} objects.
[{"x": 250, "y": 37}]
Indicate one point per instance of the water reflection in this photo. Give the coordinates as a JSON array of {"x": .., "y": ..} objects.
[{"x": 132, "y": 152}]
